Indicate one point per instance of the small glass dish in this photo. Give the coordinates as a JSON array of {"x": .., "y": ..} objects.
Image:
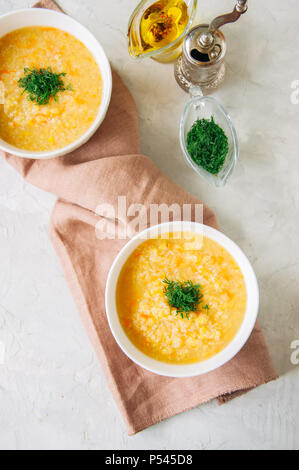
[
  {"x": 166, "y": 54},
  {"x": 204, "y": 107}
]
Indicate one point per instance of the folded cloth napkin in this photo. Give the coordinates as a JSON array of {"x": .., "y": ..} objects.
[{"x": 107, "y": 166}]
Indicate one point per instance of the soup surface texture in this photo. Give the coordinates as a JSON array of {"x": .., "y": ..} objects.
[
  {"x": 153, "y": 326},
  {"x": 55, "y": 125}
]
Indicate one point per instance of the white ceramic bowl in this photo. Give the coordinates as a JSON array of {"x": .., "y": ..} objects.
[
  {"x": 199, "y": 368},
  {"x": 42, "y": 17}
]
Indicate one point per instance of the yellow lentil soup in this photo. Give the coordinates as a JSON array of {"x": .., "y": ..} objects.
[
  {"x": 144, "y": 311},
  {"x": 29, "y": 126}
]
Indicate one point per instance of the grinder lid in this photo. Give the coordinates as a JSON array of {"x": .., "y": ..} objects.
[{"x": 203, "y": 48}]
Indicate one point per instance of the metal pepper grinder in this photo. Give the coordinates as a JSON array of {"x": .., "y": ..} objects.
[{"x": 202, "y": 61}]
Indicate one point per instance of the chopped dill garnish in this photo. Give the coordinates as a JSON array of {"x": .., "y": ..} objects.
[
  {"x": 42, "y": 84},
  {"x": 207, "y": 145},
  {"x": 185, "y": 297}
]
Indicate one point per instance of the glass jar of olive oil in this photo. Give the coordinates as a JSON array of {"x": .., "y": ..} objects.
[{"x": 157, "y": 30}]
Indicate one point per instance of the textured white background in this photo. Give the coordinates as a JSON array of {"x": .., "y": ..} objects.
[{"x": 52, "y": 391}]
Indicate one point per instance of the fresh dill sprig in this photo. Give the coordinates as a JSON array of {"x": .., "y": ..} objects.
[
  {"x": 42, "y": 84},
  {"x": 185, "y": 297}
]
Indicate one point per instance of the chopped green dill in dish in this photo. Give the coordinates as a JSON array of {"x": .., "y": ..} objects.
[
  {"x": 43, "y": 84},
  {"x": 185, "y": 297},
  {"x": 207, "y": 145}
]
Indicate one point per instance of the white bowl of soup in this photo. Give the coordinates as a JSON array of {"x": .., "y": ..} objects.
[
  {"x": 33, "y": 124},
  {"x": 156, "y": 334}
]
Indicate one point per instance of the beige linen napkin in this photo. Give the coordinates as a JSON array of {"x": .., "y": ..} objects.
[{"x": 110, "y": 165}]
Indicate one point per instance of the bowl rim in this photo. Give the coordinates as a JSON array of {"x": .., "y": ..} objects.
[
  {"x": 106, "y": 73},
  {"x": 199, "y": 368},
  {"x": 198, "y": 169}
]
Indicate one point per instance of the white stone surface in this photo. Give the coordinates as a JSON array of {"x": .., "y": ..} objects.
[{"x": 52, "y": 392}]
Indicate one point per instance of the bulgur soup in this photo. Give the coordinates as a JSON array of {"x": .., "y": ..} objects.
[
  {"x": 29, "y": 125},
  {"x": 161, "y": 331}
]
